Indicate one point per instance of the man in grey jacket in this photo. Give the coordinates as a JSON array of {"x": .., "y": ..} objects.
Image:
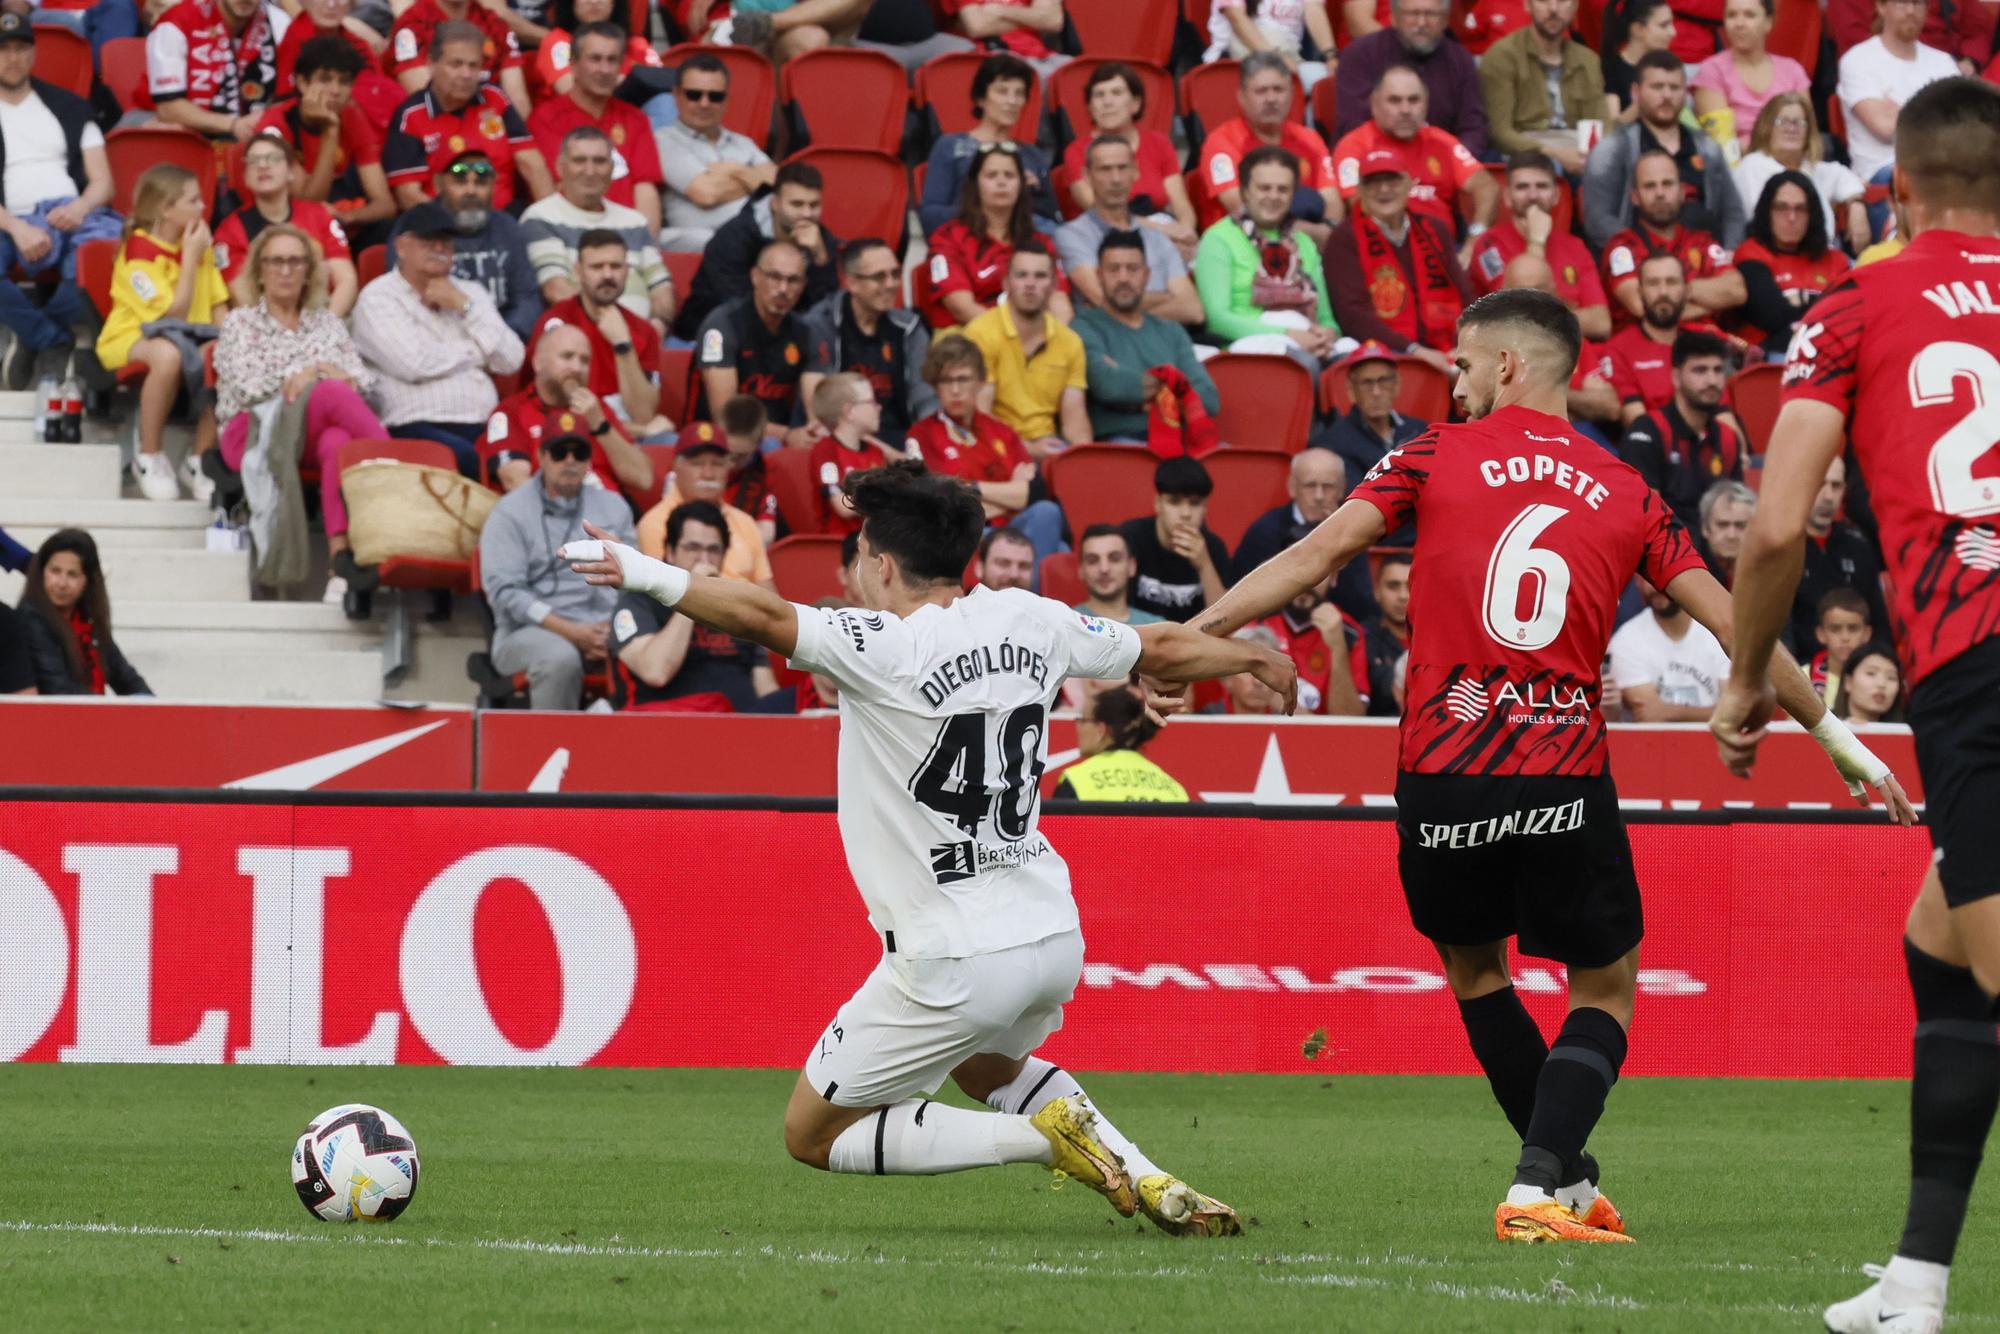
[
  {"x": 545, "y": 624},
  {"x": 1712, "y": 206},
  {"x": 861, "y": 329}
]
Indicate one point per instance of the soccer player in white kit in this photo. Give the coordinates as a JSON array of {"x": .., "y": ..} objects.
[{"x": 944, "y": 711}]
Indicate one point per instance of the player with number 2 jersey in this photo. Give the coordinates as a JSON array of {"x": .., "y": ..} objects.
[
  {"x": 1507, "y": 821},
  {"x": 944, "y": 722},
  {"x": 1903, "y": 360}
]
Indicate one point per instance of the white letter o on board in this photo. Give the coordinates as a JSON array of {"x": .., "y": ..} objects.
[
  {"x": 34, "y": 957},
  {"x": 595, "y": 949}
]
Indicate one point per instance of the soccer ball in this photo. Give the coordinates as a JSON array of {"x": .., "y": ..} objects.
[{"x": 355, "y": 1161}]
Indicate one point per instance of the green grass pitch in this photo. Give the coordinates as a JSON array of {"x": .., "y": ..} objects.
[{"x": 158, "y": 1197}]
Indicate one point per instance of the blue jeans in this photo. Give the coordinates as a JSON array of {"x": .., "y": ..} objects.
[
  {"x": 49, "y": 326},
  {"x": 461, "y": 439},
  {"x": 100, "y": 23},
  {"x": 1042, "y": 524},
  {"x": 1879, "y": 215}
]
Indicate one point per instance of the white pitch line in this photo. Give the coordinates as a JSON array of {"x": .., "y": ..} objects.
[{"x": 1087, "y": 1264}]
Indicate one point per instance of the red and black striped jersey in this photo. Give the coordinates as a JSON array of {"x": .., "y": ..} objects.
[
  {"x": 1910, "y": 349},
  {"x": 1527, "y": 534}
]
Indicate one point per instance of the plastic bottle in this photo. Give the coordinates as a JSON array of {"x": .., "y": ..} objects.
[
  {"x": 48, "y": 410},
  {"x": 72, "y": 410}
]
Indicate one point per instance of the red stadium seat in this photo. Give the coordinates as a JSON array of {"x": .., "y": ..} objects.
[
  {"x": 1424, "y": 392},
  {"x": 839, "y": 97},
  {"x": 796, "y": 489},
  {"x": 943, "y": 86},
  {"x": 683, "y": 265},
  {"x": 413, "y": 571},
  {"x": 1145, "y": 28},
  {"x": 662, "y": 458},
  {"x": 1067, "y": 99},
  {"x": 1208, "y": 98},
  {"x": 371, "y": 263},
  {"x": 806, "y": 567},
  {"x": 1325, "y": 113},
  {"x": 676, "y": 383},
  {"x": 1267, "y": 400},
  {"x": 122, "y": 67},
  {"x": 62, "y": 57},
  {"x": 95, "y": 263},
  {"x": 1753, "y": 392},
  {"x": 1061, "y": 579},
  {"x": 136, "y": 147},
  {"x": 1248, "y": 482},
  {"x": 868, "y": 194},
  {"x": 1102, "y": 483},
  {"x": 753, "y": 87}
]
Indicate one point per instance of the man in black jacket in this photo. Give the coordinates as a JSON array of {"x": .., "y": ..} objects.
[
  {"x": 864, "y": 330},
  {"x": 58, "y": 181},
  {"x": 788, "y": 210}
]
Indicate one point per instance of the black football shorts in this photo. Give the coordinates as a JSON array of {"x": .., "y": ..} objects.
[
  {"x": 1540, "y": 857},
  {"x": 1955, "y": 718}
]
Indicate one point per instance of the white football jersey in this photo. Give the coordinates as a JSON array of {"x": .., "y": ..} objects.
[{"x": 944, "y": 733}]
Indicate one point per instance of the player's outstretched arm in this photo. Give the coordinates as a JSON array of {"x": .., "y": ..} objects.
[
  {"x": 1710, "y": 604},
  {"x": 1803, "y": 444},
  {"x": 1340, "y": 537},
  {"x": 729, "y": 605},
  {"x": 1178, "y": 654}
]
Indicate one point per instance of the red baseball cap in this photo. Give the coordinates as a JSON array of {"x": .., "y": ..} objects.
[
  {"x": 1372, "y": 350},
  {"x": 1382, "y": 162}
]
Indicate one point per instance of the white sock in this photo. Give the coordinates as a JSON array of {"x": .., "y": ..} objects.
[
  {"x": 1921, "y": 1281},
  {"x": 1041, "y": 1083},
  {"x": 920, "y": 1138},
  {"x": 1523, "y": 1196}
]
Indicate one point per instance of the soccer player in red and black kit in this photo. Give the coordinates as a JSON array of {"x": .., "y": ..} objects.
[
  {"x": 1507, "y": 819},
  {"x": 1908, "y": 353}
]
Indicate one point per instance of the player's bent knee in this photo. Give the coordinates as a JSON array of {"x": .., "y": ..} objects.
[{"x": 806, "y": 1147}]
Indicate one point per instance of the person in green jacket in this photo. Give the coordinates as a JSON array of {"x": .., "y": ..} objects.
[
  {"x": 1110, "y": 734},
  {"x": 1260, "y": 284}
]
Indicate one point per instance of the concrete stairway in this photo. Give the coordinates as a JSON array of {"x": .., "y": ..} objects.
[{"x": 184, "y": 614}]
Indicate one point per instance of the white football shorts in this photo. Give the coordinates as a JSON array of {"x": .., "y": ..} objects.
[{"x": 914, "y": 1021}]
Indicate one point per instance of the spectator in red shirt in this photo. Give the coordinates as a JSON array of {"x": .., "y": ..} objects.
[
  {"x": 1264, "y": 91},
  {"x": 599, "y": 49},
  {"x": 270, "y": 169},
  {"x": 1529, "y": 229},
  {"x": 212, "y": 65},
  {"x": 624, "y": 349},
  {"x": 961, "y": 440},
  {"x": 1326, "y": 644},
  {"x": 554, "y": 70},
  {"x": 560, "y": 403},
  {"x": 844, "y": 407},
  {"x": 1641, "y": 363},
  {"x": 1786, "y": 261},
  {"x": 1019, "y": 26},
  {"x": 1006, "y": 560},
  {"x": 413, "y": 47},
  {"x": 375, "y": 93},
  {"x": 454, "y": 112},
  {"x": 970, "y": 254},
  {"x": 1391, "y": 273},
  {"x": 1116, "y": 99},
  {"x": 340, "y": 150},
  {"x": 1439, "y": 166},
  {"x": 1657, "y": 193}
]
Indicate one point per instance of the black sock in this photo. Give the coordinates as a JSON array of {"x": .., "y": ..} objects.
[
  {"x": 1954, "y": 1089},
  {"x": 1510, "y": 1049},
  {"x": 1569, "y": 1097}
]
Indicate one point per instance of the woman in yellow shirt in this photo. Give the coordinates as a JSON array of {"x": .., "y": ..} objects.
[
  {"x": 165, "y": 271},
  {"x": 1113, "y": 728}
]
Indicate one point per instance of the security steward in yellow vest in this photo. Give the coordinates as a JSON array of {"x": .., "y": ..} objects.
[{"x": 1113, "y": 728}]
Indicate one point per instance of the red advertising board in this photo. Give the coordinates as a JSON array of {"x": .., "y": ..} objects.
[
  {"x": 143, "y": 743},
  {"x": 1288, "y": 762},
  {"x": 550, "y": 935}
]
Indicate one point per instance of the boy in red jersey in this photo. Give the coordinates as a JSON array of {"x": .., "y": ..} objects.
[
  {"x": 1506, "y": 814},
  {"x": 1910, "y": 352}
]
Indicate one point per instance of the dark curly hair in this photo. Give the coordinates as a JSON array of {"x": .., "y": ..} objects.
[{"x": 926, "y": 522}]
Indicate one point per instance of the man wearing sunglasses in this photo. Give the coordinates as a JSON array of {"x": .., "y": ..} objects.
[
  {"x": 709, "y": 169},
  {"x": 489, "y": 248},
  {"x": 544, "y": 623}
]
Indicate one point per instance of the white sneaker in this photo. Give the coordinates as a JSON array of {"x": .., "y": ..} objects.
[
  {"x": 198, "y": 483},
  {"x": 336, "y": 591},
  {"x": 1885, "y": 1308},
  {"x": 156, "y": 477}
]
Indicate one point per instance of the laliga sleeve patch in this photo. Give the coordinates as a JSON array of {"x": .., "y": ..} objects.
[
  {"x": 1093, "y": 624},
  {"x": 711, "y": 348},
  {"x": 1620, "y": 261},
  {"x": 829, "y": 473},
  {"x": 624, "y": 625},
  {"x": 222, "y": 255},
  {"x": 1489, "y": 262},
  {"x": 559, "y": 56},
  {"x": 1221, "y": 171},
  {"x": 496, "y": 427},
  {"x": 406, "y": 44},
  {"x": 620, "y": 168},
  {"x": 940, "y": 268},
  {"x": 1350, "y": 173},
  {"x": 144, "y": 286}
]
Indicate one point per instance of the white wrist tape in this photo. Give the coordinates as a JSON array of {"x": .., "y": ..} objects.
[
  {"x": 664, "y": 583},
  {"x": 1857, "y": 764}
]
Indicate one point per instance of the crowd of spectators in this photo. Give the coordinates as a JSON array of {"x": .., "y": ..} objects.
[{"x": 530, "y": 177}]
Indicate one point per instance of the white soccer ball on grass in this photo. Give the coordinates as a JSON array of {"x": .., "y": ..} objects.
[{"x": 355, "y": 1161}]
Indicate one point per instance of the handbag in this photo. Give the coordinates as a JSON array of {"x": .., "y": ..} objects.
[{"x": 409, "y": 509}]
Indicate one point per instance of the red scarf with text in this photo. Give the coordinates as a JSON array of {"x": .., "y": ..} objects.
[{"x": 1434, "y": 306}]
